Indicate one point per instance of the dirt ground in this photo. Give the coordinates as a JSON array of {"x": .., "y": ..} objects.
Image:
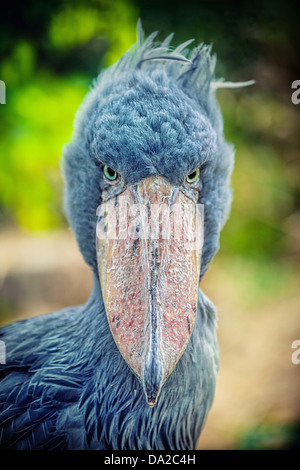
[{"x": 258, "y": 383}]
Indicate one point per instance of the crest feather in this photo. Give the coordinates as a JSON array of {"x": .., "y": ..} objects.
[{"x": 193, "y": 69}]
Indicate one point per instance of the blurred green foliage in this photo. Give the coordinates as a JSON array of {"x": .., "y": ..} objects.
[
  {"x": 47, "y": 73},
  {"x": 50, "y": 52},
  {"x": 270, "y": 436}
]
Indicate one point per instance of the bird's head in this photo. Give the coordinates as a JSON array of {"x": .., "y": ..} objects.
[{"x": 147, "y": 193}]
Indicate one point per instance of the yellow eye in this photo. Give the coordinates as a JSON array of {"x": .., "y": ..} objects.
[
  {"x": 192, "y": 177},
  {"x": 110, "y": 174}
]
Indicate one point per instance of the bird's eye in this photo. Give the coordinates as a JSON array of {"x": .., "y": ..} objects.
[
  {"x": 192, "y": 177},
  {"x": 110, "y": 174}
]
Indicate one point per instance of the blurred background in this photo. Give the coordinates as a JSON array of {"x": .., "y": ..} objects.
[{"x": 49, "y": 54}]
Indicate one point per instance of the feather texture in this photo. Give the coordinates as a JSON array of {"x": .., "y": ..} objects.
[{"x": 82, "y": 395}]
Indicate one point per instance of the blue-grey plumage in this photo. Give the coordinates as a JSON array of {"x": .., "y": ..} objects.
[{"x": 65, "y": 384}]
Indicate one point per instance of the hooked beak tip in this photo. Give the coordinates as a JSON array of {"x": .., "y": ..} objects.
[
  {"x": 153, "y": 378},
  {"x": 151, "y": 403}
]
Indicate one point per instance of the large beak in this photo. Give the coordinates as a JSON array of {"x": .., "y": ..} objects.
[{"x": 149, "y": 247}]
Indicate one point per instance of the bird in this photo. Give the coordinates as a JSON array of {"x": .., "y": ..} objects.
[{"x": 135, "y": 367}]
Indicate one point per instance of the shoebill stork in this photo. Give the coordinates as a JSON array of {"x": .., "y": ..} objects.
[{"x": 136, "y": 366}]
